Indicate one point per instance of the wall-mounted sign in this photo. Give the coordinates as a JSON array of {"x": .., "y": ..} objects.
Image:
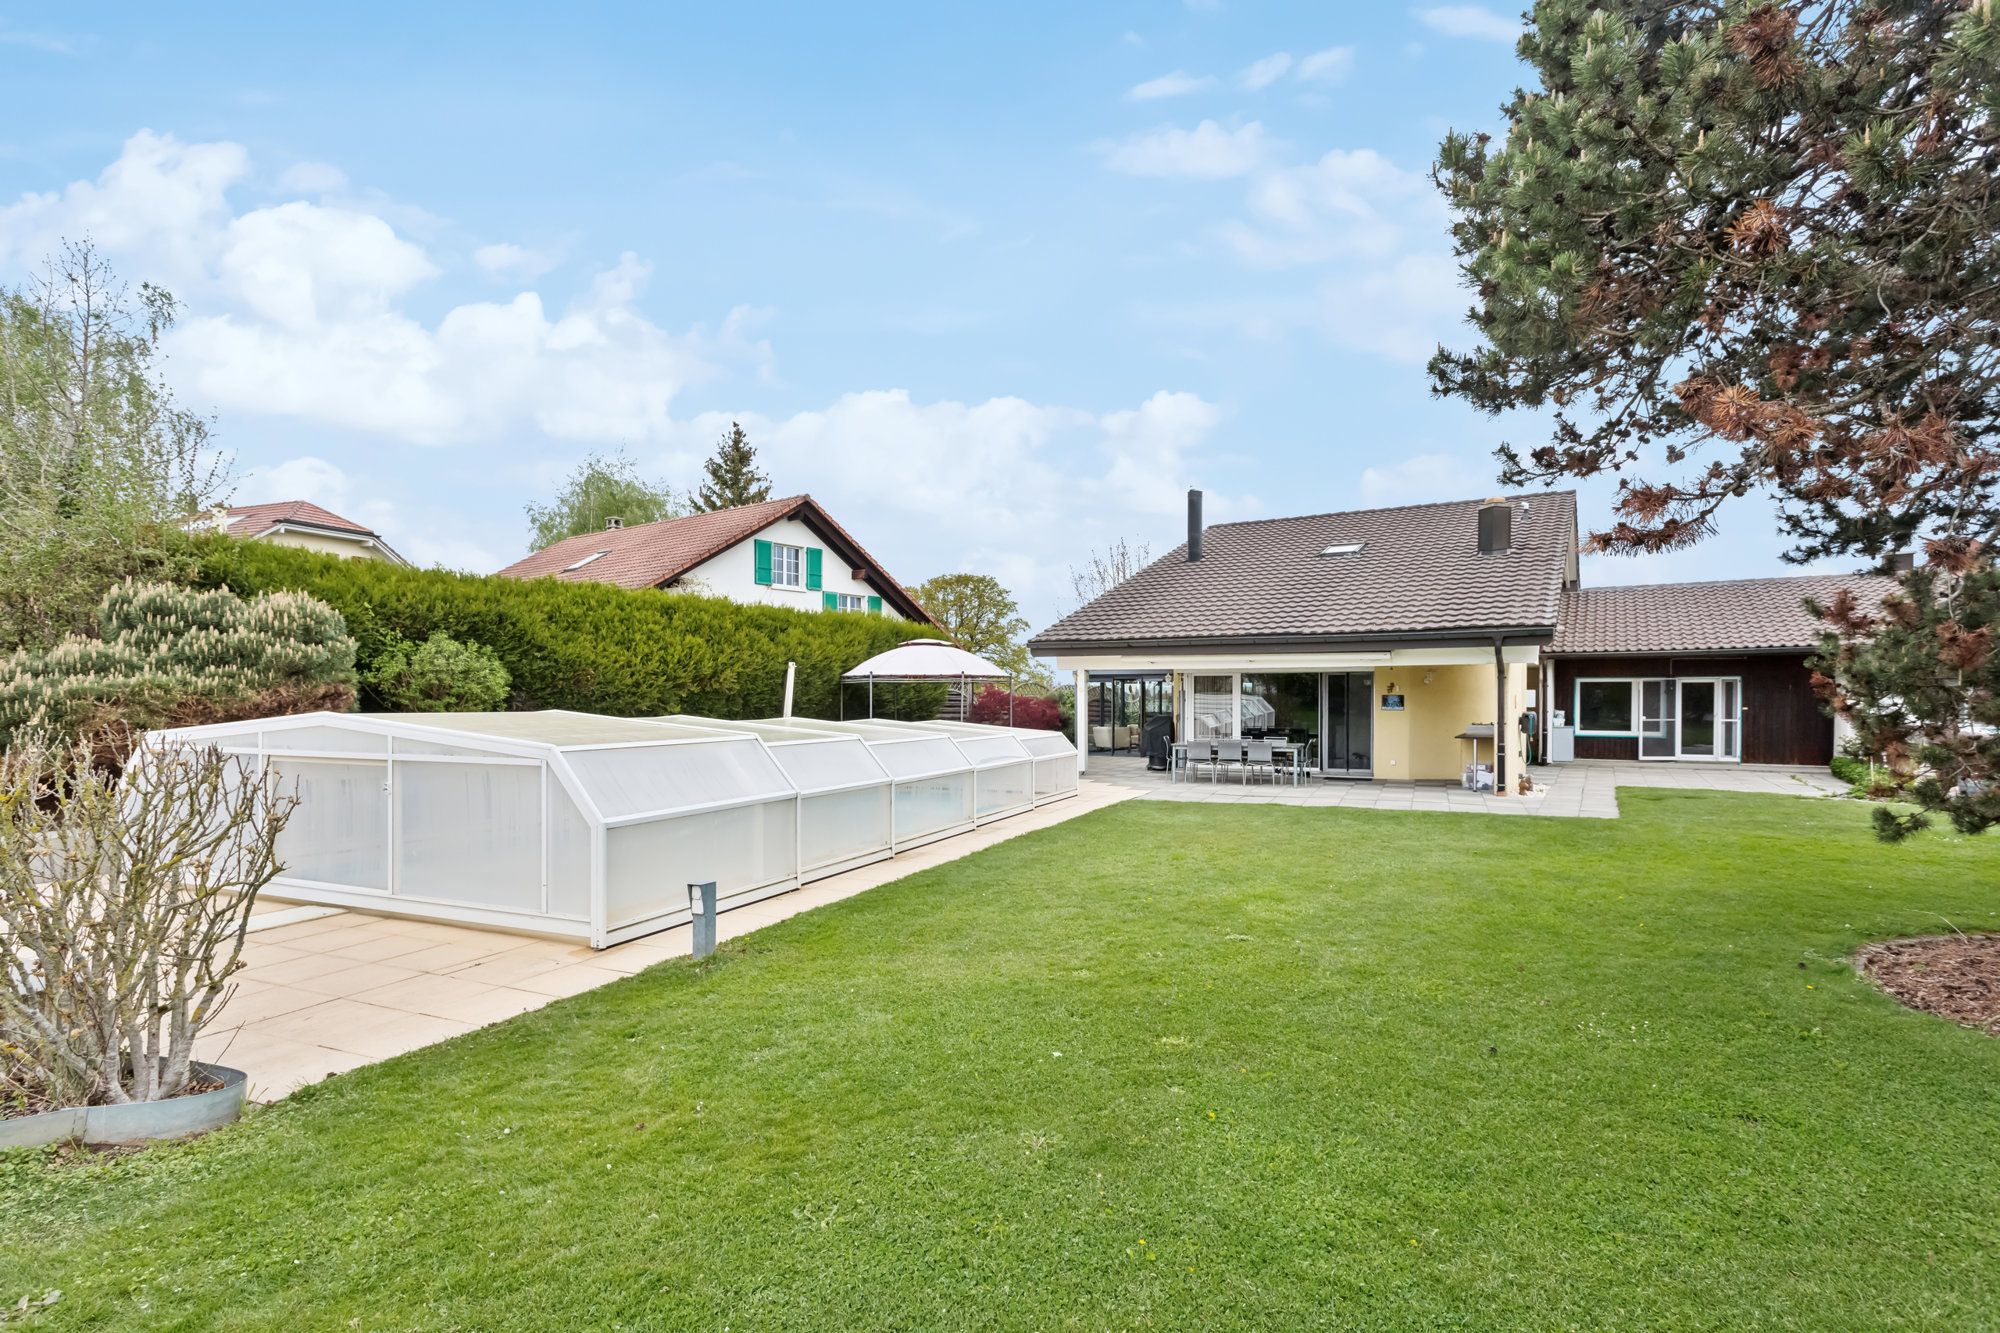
[{"x": 1392, "y": 703}]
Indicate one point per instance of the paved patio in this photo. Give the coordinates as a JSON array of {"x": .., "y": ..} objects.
[
  {"x": 325, "y": 990},
  {"x": 1587, "y": 789}
]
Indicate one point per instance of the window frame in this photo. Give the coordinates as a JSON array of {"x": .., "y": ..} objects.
[
  {"x": 1631, "y": 684},
  {"x": 796, "y": 565},
  {"x": 841, "y": 600}
]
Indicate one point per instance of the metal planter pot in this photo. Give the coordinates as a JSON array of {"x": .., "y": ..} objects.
[{"x": 133, "y": 1122}]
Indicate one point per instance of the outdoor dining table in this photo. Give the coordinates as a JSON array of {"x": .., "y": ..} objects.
[{"x": 1182, "y": 756}]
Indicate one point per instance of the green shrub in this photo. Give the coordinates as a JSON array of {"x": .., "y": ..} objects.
[
  {"x": 586, "y": 646},
  {"x": 439, "y": 675},
  {"x": 165, "y": 655},
  {"x": 1850, "y": 770}
]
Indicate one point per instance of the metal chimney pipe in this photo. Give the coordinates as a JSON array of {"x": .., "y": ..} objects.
[{"x": 1194, "y": 525}]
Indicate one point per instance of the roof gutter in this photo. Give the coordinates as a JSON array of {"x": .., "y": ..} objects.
[{"x": 1448, "y": 638}]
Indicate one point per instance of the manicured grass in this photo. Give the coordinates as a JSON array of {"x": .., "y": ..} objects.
[{"x": 1165, "y": 1066}]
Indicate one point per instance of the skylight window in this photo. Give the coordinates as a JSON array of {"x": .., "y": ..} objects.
[
  {"x": 1343, "y": 548},
  {"x": 594, "y": 555}
]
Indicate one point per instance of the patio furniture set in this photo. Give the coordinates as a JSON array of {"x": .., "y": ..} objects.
[{"x": 1272, "y": 757}]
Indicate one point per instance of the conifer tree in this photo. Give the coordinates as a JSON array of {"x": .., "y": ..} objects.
[
  {"x": 731, "y": 477},
  {"x": 1737, "y": 248}
]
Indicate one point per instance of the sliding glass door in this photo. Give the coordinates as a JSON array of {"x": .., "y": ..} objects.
[
  {"x": 1348, "y": 733},
  {"x": 1689, "y": 717},
  {"x": 1120, "y": 707},
  {"x": 1658, "y": 711}
]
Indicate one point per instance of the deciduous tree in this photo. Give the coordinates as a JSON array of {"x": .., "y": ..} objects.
[
  {"x": 99, "y": 467},
  {"x": 980, "y": 616},
  {"x": 600, "y": 489}
]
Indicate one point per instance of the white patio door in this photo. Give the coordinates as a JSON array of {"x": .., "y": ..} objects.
[
  {"x": 1657, "y": 714},
  {"x": 1710, "y": 718}
]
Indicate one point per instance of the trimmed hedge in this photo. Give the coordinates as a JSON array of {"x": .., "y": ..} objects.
[{"x": 586, "y": 646}]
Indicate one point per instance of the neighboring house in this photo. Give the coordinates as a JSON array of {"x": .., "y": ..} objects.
[
  {"x": 1384, "y": 638},
  {"x": 786, "y": 552},
  {"x": 304, "y": 524}
]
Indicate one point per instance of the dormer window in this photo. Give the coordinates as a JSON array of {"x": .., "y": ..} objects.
[
  {"x": 594, "y": 555},
  {"x": 1344, "y": 548}
]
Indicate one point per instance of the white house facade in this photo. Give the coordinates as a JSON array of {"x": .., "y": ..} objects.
[{"x": 788, "y": 553}]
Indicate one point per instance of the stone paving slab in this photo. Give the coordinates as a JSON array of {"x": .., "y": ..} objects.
[{"x": 1583, "y": 790}]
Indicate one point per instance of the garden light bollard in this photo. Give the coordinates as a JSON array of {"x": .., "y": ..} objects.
[{"x": 701, "y": 911}]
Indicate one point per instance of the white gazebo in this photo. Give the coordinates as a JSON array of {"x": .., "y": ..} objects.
[{"x": 930, "y": 662}]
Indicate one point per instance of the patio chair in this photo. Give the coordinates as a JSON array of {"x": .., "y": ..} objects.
[
  {"x": 1258, "y": 755},
  {"x": 1226, "y": 752}
]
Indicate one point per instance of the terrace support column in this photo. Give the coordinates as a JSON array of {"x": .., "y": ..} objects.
[
  {"x": 1499, "y": 719},
  {"x": 1082, "y": 722}
]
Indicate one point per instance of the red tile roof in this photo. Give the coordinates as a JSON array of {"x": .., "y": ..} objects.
[
  {"x": 249, "y": 520},
  {"x": 1730, "y": 615},
  {"x": 652, "y": 555}
]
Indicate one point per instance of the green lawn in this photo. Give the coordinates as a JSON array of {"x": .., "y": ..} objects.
[{"x": 1165, "y": 1066}]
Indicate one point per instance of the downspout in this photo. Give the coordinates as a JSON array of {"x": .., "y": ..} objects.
[{"x": 1499, "y": 718}]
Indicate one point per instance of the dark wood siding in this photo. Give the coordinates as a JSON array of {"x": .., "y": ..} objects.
[{"x": 1783, "y": 720}]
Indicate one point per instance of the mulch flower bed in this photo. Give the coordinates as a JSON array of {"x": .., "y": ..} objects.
[{"x": 1953, "y": 976}]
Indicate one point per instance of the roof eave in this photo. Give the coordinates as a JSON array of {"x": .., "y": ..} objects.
[{"x": 1457, "y": 636}]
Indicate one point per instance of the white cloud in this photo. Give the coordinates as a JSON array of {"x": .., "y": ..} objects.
[
  {"x": 1177, "y": 84},
  {"x": 312, "y": 178},
  {"x": 1350, "y": 203},
  {"x": 1474, "y": 21},
  {"x": 303, "y": 311},
  {"x": 1328, "y": 66},
  {"x": 1261, "y": 74},
  {"x": 1206, "y": 152},
  {"x": 1401, "y": 310},
  {"x": 1004, "y": 486},
  {"x": 1421, "y": 478},
  {"x": 505, "y": 259},
  {"x": 162, "y": 195}
]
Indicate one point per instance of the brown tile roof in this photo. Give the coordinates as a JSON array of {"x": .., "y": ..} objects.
[
  {"x": 1732, "y": 615},
  {"x": 249, "y": 520},
  {"x": 1419, "y": 571},
  {"x": 651, "y": 555}
]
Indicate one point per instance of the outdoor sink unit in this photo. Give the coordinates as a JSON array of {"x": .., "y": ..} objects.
[{"x": 591, "y": 828}]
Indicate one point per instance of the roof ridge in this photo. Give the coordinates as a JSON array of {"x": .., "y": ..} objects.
[
  {"x": 678, "y": 518},
  {"x": 1717, "y": 583},
  {"x": 1391, "y": 509}
]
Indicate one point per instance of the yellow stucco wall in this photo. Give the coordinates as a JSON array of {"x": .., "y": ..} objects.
[{"x": 1419, "y": 744}]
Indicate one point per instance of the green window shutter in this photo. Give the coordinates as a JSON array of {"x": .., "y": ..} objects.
[
  {"x": 830, "y": 600},
  {"x": 763, "y": 562},
  {"x": 874, "y": 606},
  {"x": 813, "y": 554}
]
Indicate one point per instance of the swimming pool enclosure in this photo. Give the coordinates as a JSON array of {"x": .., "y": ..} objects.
[{"x": 592, "y": 827}]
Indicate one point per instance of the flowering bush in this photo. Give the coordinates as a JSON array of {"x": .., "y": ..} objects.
[
  {"x": 1029, "y": 710},
  {"x": 166, "y": 655}
]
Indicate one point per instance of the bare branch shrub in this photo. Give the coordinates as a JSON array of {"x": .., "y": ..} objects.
[{"x": 124, "y": 903}]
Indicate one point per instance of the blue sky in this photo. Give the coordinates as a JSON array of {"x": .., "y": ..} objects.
[{"x": 995, "y": 284}]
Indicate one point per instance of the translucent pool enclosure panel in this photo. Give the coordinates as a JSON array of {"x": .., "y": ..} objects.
[
  {"x": 846, "y": 799},
  {"x": 591, "y": 827}
]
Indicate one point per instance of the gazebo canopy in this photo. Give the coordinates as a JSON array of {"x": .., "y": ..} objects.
[{"x": 927, "y": 659}]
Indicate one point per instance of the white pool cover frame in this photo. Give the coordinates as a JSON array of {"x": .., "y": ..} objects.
[{"x": 591, "y": 828}]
